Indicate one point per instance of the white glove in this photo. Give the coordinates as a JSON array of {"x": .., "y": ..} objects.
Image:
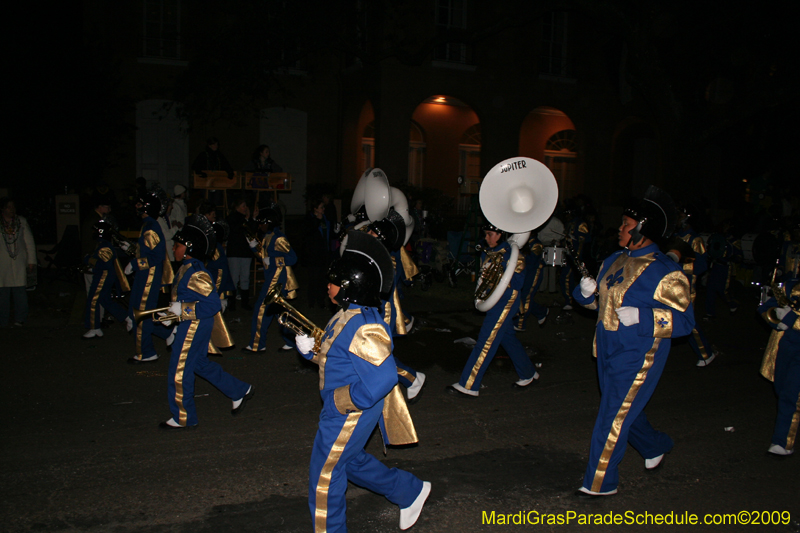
[
  {"x": 175, "y": 308},
  {"x": 129, "y": 269},
  {"x": 266, "y": 262},
  {"x": 252, "y": 242},
  {"x": 588, "y": 287},
  {"x": 351, "y": 218},
  {"x": 125, "y": 245},
  {"x": 337, "y": 227},
  {"x": 781, "y": 312},
  {"x": 165, "y": 323},
  {"x": 628, "y": 315},
  {"x": 224, "y": 303},
  {"x": 781, "y": 326},
  {"x": 304, "y": 343},
  {"x": 673, "y": 256}
]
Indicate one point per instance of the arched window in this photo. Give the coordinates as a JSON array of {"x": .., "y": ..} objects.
[
  {"x": 561, "y": 157},
  {"x": 469, "y": 159},
  {"x": 368, "y": 147}
]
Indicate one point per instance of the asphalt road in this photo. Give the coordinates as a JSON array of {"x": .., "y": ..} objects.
[{"x": 82, "y": 451}]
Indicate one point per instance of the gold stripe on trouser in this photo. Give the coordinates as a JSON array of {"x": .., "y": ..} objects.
[
  {"x": 790, "y": 438},
  {"x": 400, "y": 320},
  {"x": 143, "y": 307},
  {"x": 488, "y": 344},
  {"x": 263, "y": 309},
  {"x": 403, "y": 373},
  {"x": 700, "y": 346},
  {"x": 187, "y": 343},
  {"x": 95, "y": 298},
  {"x": 324, "y": 483},
  {"x": 619, "y": 419},
  {"x": 523, "y": 307}
]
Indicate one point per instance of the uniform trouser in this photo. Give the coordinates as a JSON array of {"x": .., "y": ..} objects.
[
  {"x": 338, "y": 456},
  {"x": 718, "y": 282},
  {"x": 262, "y": 318},
  {"x": 100, "y": 298},
  {"x": 787, "y": 388},
  {"x": 497, "y": 330},
  {"x": 528, "y": 306},
  {"x": 627, "y": 381},
  {"x": 144, "y": 296},
  {"x": 699, "y": 343},
  {"x": 405, "y": 374},
  {"x": 89, "y": 280},
  {"x": 189, "y": 359}
]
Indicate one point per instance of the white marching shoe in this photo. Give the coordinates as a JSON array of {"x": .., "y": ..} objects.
[
  {"x": 409, "y": 515},
  {"x": 92, "y": 333}
]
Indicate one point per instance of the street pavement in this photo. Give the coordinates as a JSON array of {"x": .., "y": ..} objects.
[{"x": 82, "y": 450}]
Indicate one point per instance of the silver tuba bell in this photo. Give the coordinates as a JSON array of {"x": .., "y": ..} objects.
[{"x": 517, "y": 195}]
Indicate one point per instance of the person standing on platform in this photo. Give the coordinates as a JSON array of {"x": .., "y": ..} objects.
[
  {"x": 240, "y": 257},
  {"x": 211, "y": 159},
  {"x": 358, "y": 386},
  {"x": 195, "y": 303},
  {"x": 262, "y": 162},
  {"x": 643, "y": 301}
]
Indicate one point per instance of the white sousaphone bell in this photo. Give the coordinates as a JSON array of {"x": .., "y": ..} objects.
[
  {"x": 517, "y": 195},
  {"x": 375, "y": 194}
]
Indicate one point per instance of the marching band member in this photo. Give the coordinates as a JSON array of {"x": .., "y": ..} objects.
[
  {"x": 497, "y": 329},
  {"x": 195, "y": 303},
  {"x": 358, "y": 386},
  {"x": 694, "y": 268},
  {"x": 533, "y": 274},
  {"x": 643, "y": 302},
  {"x": 105, "y": 273},
  {"x": 390, "y": 231},
  {"x": 150, "y": 273},
  {"x": 217, "y": 264},
  {"x": 278, "y": 256},
  {"x": 781, "y": 363},
  {"x": 578, "y": 237}
]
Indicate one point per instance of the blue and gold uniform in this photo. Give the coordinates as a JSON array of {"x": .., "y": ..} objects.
[
  {"x": 199, "y": 305},
  {"x": 534, "y": 270},
  {"x": 497, "y": 330},
  {"x": 781, "y": 365},
  {"x": 356, "y": 372},
  {"x": 275, "y": 247},
  {"x": 220, "y": 272},
  {"x": 630, "y": 359},
  {"x": 399, "y": 323},
  {"x": 149, "y": 275},
  {"x": 579, "y": 237},
  {"x": 722, "y": 253},
  {"x": 105, "y": 275},
  {"x": 693, "y": 270}
]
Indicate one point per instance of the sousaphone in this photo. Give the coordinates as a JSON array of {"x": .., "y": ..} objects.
[{"x": 517, "y": 195}]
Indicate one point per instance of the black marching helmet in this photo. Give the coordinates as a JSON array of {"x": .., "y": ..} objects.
[
  {"x": 150, "y": 204},
  {"x": 198, "y": 235},
  {"x": 222, "y": 230},
  {"x": 270, "y": 214},
  {"x": 655, "y": 214},
  {"x": 491, "y": 227},
  {"x": 103, "y": 229},
  {"x": 363, "y": 273},
  {"x": 391, "y": 231}
]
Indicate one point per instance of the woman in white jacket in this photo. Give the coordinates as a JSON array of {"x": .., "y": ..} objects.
[{"x": 17, "y": 258}]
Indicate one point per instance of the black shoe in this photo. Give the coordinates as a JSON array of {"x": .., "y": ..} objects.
[
  {"x": 246, "y": 301},
  {"x": 245, "y": 399}
]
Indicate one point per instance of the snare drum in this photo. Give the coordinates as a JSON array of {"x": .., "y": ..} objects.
[{"x": 554, "y": 256}]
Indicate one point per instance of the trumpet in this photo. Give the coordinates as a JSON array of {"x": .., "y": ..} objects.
[
  {"x": 117, "y": 239},
  {"x": 138, "y": 316},
  {"x": 251, "y": 235},
  {"x": 293, "y": 319}
]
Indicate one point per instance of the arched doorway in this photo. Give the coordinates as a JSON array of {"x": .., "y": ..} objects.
[{"x": 548, "y": 135}]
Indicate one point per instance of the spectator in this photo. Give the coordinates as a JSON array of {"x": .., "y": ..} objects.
[{"x": 17, "y": 259}]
